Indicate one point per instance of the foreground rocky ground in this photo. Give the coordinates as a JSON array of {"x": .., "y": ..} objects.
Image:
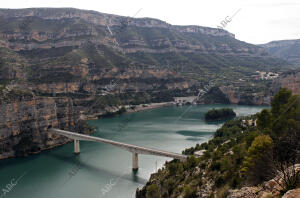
[{"x": 269, "y": 189}]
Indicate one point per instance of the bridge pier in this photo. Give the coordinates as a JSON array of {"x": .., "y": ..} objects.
[
  {"x": 135, "y": 150},
  {"x": 135, "y": 162},
  {"x": 76, "y": 147}
]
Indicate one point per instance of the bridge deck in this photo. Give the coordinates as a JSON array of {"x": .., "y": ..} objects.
[{"x": 129, "y": 147}]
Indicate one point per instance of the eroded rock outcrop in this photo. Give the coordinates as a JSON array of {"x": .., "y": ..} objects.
[
  {"x": 268, "y": 189},
  {"x": 289, "y": 80},
  {"x": 30, "y": 119}
]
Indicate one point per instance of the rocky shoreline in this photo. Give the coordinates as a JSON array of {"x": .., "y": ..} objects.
[
  {"x": 52, "y": 117},
  {"x": 129, "y": 109},
  {"x": 21, "y": 119}
]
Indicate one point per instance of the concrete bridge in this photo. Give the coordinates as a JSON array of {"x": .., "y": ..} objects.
[{"x": 135, "y": 150}]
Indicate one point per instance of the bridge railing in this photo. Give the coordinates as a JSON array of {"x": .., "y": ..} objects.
[{"x": 128, "y": 147}]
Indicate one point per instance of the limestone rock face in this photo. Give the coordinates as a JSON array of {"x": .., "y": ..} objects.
[
  {"x": 292, "y": 194},
  {"x": 269, "y": 189},
  {"x": 290, "y": 80},
  {"x": 31, "y": 118},
  {"x": 235, "y": 96},
  {"x": 41, "y": 38}
]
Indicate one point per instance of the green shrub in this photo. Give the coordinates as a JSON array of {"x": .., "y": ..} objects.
[
  {"x": 189, "y": 192},
  {"x": 175, "y": 168},
  {"x": 219, "y": 181},
  {"x": 292, "y": 183},
  {"x": 215, "y": 165},
  {"x": 191, "y": 162},
  {"x": 152, "y": 191}
]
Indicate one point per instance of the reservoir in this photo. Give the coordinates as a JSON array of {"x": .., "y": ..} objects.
[{"x": 103, "y": 170}]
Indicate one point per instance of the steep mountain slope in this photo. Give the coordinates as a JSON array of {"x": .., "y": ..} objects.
[
  {"x": 261, "y": 150},
  {"x": 70, "y": 45},
  {"x": 285, "y": 49},
  {"x": 85, "y": 63}
]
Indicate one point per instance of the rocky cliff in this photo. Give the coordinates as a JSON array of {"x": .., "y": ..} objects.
[
  {"x": 73, "y": 64},
  {"x": 289, "y": 80},
  {"x": 46, "y": 28},
  {"x": 24, "y": 123}
]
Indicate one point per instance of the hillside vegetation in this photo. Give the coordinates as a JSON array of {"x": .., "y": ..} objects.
[
  {"x": 219, "y": 114},
  {"x": 240, "y": 154}
]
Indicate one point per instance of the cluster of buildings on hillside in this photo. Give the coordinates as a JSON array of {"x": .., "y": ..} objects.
[{"x": 261, "y": 75}]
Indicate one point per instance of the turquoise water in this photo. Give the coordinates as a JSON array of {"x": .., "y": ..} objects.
[{"x": 103, "y": 170}]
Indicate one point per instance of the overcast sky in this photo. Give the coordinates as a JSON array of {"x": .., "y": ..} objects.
[{"x": 256, "y": 21}]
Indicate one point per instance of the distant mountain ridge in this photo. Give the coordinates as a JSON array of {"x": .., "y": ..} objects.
[
  {"x": 71, "y": 51},
  {"x": 103, "y": 19},
  {"x": 285, "y": 49},
  {"x": 73, "y": 40}
]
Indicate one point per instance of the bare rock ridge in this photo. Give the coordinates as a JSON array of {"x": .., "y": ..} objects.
[
  {"x": 46, "y": 28},
  {"x": 102, "y": 19}
]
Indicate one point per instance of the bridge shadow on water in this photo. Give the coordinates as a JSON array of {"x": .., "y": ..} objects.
[{"x": 130, "y": 175}]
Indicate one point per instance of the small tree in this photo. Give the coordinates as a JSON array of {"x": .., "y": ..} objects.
[
  {"x": 264, "y": 119},
  {"x": 285, "y": 132},
  {"x": 257, "y": 162},
  {"x": 286, "y": 155}
]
